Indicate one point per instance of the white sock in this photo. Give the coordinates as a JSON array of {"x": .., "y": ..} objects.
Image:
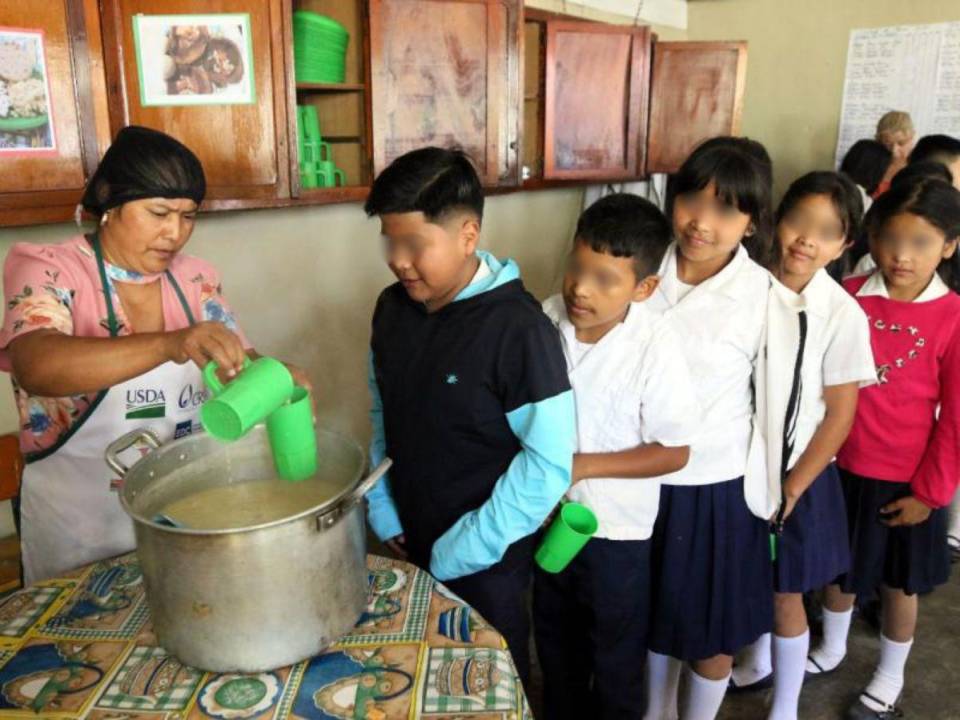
[
  {"x": 703, "y": 697},
  {"x": 833, "y": 649},
  {"x": 789, "y": 665},
  {"x": 753, "y": 662},
  {"x": 663, "y": 680},
  {"x": 953, "y": 529},
  {"x": 887, "y": 681}
]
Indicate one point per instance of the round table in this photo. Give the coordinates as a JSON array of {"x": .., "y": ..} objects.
[{"x": 82, "y": 646}]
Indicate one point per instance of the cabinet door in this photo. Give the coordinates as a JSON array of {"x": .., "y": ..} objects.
[
  {"x": 597, "y": 78},
  {"x": 243, "y": 146},
  {"x": 447, "y": 72},
  {"x": 44, "y": 165},
  {"x": 696, "y": 93}
]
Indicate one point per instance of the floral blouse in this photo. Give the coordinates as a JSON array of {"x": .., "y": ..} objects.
[{"x": 58, "y": 287}]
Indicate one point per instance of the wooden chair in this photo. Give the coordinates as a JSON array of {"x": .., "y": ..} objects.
[{"x": 11, "y": 470}]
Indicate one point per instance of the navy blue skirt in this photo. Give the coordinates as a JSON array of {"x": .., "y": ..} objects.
[
  {"x": 914, "y": 558},
  {"x": 712, "y": 573},
  {"x": 814, "y": 548}
]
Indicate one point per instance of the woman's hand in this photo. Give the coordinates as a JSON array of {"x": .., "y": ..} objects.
[
  {"x": 905, "y": 511},
  {"x": 204, "y": 342}
]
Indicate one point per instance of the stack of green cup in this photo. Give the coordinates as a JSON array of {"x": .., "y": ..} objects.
[
  {"x": 264, "y": 390},
  {"x": 317, "y": 168},
  {"x": 319, "y": 48}
]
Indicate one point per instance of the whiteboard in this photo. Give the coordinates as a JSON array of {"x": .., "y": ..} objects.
[{"x": 915, "y": 68}]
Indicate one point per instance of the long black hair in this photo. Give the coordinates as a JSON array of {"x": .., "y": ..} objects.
[
  {"x": 935, "y": 201},
  {"x": 866, "y": 163},
  {"x": 742, "y": 173},
  {"x": 846, "y": 201}
]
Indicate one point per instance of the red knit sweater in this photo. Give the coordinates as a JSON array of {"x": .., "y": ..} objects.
[{"x": 897, "y": 435}]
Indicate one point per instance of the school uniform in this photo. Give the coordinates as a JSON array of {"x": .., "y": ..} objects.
[
  {"x": 905, "y": 437},
  {"x": 711, "y": 567},
  {"x": 473, "y": 405},
  {"x": 831, "y": 347},
  {"x": 590, "y": 621}
]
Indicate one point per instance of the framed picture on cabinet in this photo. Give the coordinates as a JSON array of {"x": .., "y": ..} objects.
[
  {"x": 26, "y": 113},
  {"x": 194, "y": 59}
]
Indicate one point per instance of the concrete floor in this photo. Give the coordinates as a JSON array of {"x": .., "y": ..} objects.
[{"x": 932, "y": 675}]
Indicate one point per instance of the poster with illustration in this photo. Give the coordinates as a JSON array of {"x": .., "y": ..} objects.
[
  {"x": 26, "y": 116},
  {"x": 194, "y": 59}
]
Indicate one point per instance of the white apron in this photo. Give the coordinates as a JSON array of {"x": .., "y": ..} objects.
[{"x": 70, "y": 514}]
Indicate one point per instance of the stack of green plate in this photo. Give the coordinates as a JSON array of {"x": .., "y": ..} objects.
[{"x": 319, "y": 48}]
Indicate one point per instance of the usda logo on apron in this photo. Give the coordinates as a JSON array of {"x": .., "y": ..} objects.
[{"x": 146, "y": 403}]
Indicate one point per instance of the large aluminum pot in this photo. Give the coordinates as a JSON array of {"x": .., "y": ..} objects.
[{"x": 252, "y": 598}]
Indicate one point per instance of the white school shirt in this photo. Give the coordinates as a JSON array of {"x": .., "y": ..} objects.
[
  {"x": 837, "y": 350},
  {"x": 631, "y": 388},
  {"x": 875, "y": 285},
  {"x": 720, "y": 325}
]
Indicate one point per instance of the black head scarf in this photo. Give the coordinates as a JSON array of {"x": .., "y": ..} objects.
[{"x": 143, "y": 163}]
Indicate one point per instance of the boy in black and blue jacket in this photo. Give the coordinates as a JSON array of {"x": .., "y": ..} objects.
[{"x": 470, "y": 395}]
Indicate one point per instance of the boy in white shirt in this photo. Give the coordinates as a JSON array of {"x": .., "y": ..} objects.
[{"x": 636, "y": 416}]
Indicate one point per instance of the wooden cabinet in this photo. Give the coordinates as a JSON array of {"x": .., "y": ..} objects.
[
  {"x": 243, "y": 147},
  {"x": 697, "y": 94},
  {"x": 447, "y": 72},
  {"x": 596, "y": 80},
  {"x": 44, "y": 185},
  {"x": 343, "y": 109},
  {"x": 561, "y": 101}
]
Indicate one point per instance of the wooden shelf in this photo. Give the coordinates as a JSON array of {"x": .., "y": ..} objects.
[
  {"x": 331, "y": 87},
  {"x": 346, "y": 193}
]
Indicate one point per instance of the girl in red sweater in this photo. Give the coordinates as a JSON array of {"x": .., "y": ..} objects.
[{"x": 900, "y": 464}]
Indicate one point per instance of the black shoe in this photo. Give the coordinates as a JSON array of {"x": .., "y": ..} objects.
[
  {"x": 859, "y": 711},
  {"x": 756, "y": 686},
  {"x": 807, "y": 676}
]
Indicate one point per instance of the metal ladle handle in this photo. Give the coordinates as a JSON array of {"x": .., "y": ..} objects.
[{"x": 125, "y": 442}]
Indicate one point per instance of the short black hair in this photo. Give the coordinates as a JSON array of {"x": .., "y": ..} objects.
[
  {"x": 866, "y": 163},
  {"x": 627, "y": 226},
  {"x": 940, "y": 148},
  {"x": 846, "y": 200},
  {"x": 930, "y": 169},
  {"x": 936, "y": 201},
  {"x": 431, "y": 180},
  {"x": 742, "y": 172}
]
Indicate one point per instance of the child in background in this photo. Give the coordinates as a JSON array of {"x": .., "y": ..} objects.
[
  {"x": 899, "y": 467},
  {"x": 636, "y": 415},
  {"x": 470, "y": 396},
  {"x": 817, "y": 358},
  {"x": 943, "y": 149},
  {"x": 895, "y": 131},
  {"x": 711, "y": 554},
  {"x": 866, "y": 163}
]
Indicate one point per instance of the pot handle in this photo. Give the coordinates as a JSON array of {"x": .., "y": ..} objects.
[
  {"x": 125, "y": 442},
  {"x": 329, "y": 519},
  {"x": 366, "y": 485}
]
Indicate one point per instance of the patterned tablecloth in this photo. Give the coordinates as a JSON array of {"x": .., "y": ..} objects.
[{"x": 82, "y": 646}]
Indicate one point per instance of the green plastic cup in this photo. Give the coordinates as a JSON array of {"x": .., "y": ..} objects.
[
  {"x": 293, "y": 439},
  {"x": 566, "y": 536},
  {"x": 329, "y": 175},
  {"x": 260, "y": 388}
]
